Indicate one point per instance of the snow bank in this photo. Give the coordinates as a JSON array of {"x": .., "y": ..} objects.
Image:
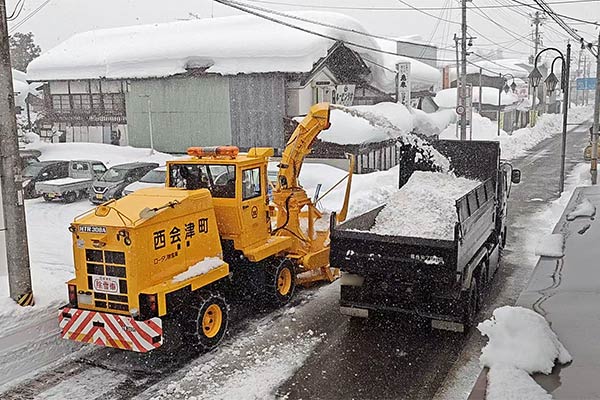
[
  {"x": 504, "y": 383},
  {"x": 424, "y": 207},
  {"x": 227, "y": 45},
  {"x": 584, "y": 209},
  {"x": 202, "y": 267},
  {"x": 447, "y": 98},
  {"x": 520, "y": 338},
  {"x": 516, "y": 144},
  {"x": 551, "y": 246},
  {"x": 520, "y": 343}
]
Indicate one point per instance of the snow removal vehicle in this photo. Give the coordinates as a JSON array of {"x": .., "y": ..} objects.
[
  {"x": 442, "y": 280},
  {"x": 165, "y": 255}
]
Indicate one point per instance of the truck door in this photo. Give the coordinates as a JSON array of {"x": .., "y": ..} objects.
[{"x": 254, "y": 202}]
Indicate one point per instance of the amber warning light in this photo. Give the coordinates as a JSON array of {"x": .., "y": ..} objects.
[{"x": 220, "y": 151}]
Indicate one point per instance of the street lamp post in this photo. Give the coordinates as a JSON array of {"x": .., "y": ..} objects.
[
  {"x": 503, "y": 86},
  {"x": 551, "y": 81}
]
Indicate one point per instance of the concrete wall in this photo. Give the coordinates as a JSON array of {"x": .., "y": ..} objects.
[{"x": 186, "y": 111}]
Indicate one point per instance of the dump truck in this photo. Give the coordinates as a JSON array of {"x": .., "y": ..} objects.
[
  {"x": 442, "y": 280},
  {"x": 165, "y": 256}
]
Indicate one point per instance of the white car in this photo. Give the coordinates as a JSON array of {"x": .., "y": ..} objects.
[{"x": 154, "y": 178}]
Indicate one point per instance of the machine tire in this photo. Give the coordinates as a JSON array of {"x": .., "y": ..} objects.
[
  {"x": 210, "y": 320},
  {"x": 280, "y": 281},
  {"x": 47, "y": 198},
  {"x": 471, "y": 304},
  {"x": 70, "y": 197}
]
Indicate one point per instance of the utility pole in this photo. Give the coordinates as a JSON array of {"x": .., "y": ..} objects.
[
  {"x": 537, "y": 21},
  {"x": 567, "y": 78},
  {"x": 463, "y": 76},
  {"x": 480, "y": 89},
  {"x": 458, "y": 90},
  {"x": 594, "y": 166},
  {"x": 12, "y": 226}
]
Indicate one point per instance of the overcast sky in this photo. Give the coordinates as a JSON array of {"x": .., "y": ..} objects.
[{"x": 60, "y": 19}]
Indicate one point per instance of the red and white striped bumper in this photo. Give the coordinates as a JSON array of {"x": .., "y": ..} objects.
[{"x": 112, "y": 330}]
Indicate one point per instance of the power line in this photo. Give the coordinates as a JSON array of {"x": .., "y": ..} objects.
[
  {"x": 28, "y": 17},
  {"x": 15, "y": 14},
  {"x": 315, "y": 6},
  {"x": 549, "y": 11},
  {"x": 251, "y": 10}
]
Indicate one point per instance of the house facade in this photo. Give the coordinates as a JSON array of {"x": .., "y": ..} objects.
[{"x": 200, "y": 92}]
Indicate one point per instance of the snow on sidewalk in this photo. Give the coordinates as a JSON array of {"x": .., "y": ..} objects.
[
  {"x": 518, "y": 142},
  {"x": 520, "y": 343},
  {"x": 424, "y": 207}
]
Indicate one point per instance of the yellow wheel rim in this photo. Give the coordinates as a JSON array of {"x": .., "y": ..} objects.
[
  {"x": 212, "y": 320},
  {"x": 284, "y": 281}
]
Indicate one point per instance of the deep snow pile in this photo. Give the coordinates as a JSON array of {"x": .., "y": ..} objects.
[
  {"x": 424, "y": 207},
  {"x": 516, "y": 144},
  {"x": 520, "y": 343},
  {"x": 382, "y": 121}
]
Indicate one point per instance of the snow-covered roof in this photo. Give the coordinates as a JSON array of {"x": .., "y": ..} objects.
[
  {"x": 447, "y": 98},
  {"x": 227, "y": 46}
]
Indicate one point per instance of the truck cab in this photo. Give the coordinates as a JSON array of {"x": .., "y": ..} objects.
[{"x": 238, "y": 185}]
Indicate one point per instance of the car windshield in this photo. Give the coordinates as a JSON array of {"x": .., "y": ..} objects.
[
  {"x": 154, "y": 176},
  {"x": 114, "y": 175},
  {"x": 33, "y": 169}
]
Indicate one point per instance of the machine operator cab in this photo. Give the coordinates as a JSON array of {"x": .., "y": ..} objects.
[{"x": 238, "y": 186}]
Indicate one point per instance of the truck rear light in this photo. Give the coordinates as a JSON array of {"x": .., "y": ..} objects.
[
  {"x": 148, "y": 306},
  {"x": 73, "y": 295}
]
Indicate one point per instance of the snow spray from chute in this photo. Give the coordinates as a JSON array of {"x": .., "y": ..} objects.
[{"x": 425, "y": 154}]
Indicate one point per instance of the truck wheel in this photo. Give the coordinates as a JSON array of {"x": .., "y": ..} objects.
[
  {"x": 280, "y": 281},
  {"x": 470, "y": 305},
  {"x": 47, "y": 198},
  {"x": 70, "y": 197},
  {"x": 210, "y": 321}
]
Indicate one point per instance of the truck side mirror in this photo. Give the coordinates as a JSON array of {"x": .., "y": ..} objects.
[{"x": 515, "y": 176}]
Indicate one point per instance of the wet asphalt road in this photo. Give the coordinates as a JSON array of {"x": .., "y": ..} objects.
[
  {"x": 385, "y": 359},
  {"x": 381, "y": 359}
]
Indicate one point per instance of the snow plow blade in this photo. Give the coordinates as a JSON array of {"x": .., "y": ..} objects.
[{"x": 110, "y": 330}]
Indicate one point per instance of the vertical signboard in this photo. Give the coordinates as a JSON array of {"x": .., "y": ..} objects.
[
  {"x": 344, "y": 95},
  {"x": 403, "y": 83}
]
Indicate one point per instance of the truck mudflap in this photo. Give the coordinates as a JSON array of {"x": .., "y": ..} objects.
[{"x": 110, "y": 330}]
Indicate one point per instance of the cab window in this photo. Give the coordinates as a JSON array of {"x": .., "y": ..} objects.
[
  {"x": 219, "y": 179},
  {"x": 251, "y": 186}
]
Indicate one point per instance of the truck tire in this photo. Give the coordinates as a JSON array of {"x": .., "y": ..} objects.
[
  {"x": 280, "y": 281},
  {"x": 70, "y": 197},
  {"x": 210, "y": 319},
  {"x": 470, "y": 304}
]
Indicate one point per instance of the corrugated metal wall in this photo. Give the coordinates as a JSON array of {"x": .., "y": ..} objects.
[
  {"x": 186, "y": 111},
  {"x": 257, "y": 110}
]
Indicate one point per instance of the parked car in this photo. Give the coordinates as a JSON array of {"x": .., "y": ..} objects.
[
  {"x": 77, "y": 185},
  {"x": 111, "y": 184},
  {"x": 153, "y": 178},
  {"x": 39, "y": 171}
]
